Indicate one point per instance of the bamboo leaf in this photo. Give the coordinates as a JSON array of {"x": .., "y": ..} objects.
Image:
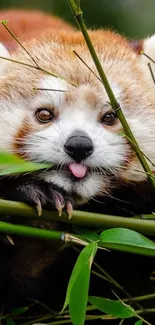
[
  {"x": 130, "y": 241},
  {"x": 111, "y": 307},
  {"x": 79, "y": 293},
  {"x": 8, "y": 158},
  {"x": 84, "y": 260},
  {"x": 12, "y": 164},
  {"x": 19, "y": 311},
  {"x": 80, "y": 287},
  {"x": 9, "y": 321}
]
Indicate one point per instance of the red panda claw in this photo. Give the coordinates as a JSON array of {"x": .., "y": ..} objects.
[
  {"x": 39, "y": 207},
  {"x": 59, "y": 206},
  {"x": 10, "y": 240},
  {"x": 69, "y": 209}
]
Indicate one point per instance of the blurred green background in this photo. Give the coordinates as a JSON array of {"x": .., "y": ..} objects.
[{"x": 134, "y": 18}]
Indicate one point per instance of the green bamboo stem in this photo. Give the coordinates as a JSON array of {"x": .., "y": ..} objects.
[
  {"x": 115, "y": 105},
  {"x": 39, "y": 319},
  {"x": 100, "y": 276},
  {"x": 146, "y": 217},
  {"x": 82, "y": 218},
  {"x": 141, "y": 298},
  {"x": 21, "y": 230},
  {"x": 126, "y": 300},
  {"x": 102, "y": 317}
]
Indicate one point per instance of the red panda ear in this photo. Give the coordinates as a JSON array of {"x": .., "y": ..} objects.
[
  {"x": 4, "y": 53},
  {"x": 142, "y": 47},
  {"x": 147, "y": 46}
]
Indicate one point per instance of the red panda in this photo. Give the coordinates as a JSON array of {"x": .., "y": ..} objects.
[
  {"x": 90, "y": 154},
  {"x": 67, "y": 120}
]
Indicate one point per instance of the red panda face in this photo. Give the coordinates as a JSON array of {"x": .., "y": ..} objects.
[
  {"x": 77, "y": 130},
  {"x": 74, "y": 127}
]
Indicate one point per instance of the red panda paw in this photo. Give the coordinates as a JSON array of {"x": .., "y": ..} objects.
[{"x": 36, "y": 193}]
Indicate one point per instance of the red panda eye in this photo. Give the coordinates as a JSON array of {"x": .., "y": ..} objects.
[
  {"x": 44, "y": 115},
  {"x": 109, "y": 118}
]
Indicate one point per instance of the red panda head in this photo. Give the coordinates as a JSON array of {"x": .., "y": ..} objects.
[{"x": 70, "y": 121}]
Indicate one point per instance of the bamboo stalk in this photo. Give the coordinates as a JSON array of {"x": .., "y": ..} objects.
[
  {"x": 47, "y": 234},
  {"x": 78, "y": 14},
  {"x": 27, "y": 231},
  {"x": 82, "y": 218}
]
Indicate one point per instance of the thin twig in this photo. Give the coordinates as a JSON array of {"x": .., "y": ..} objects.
[
  {"x": 147, "y": 56},
  {"x": 100, "y": 276},
  {"x": 134, "y": 144},
  {"x": 59, "y": 90},
  {"x": 151, "y": 72},
  {"x": 136, "y": 313},
  {"x": 37, "y": 68},
  {"x": 79, "y": 57},
  {"x": 4, "y": 23}
]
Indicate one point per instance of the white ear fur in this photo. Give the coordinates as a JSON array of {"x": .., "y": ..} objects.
[
  {"x": 4, "y": 53},
  {"x": 148, "y": 48}
]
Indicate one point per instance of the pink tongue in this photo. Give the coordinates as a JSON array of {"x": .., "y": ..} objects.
[{"x": 78, "y": 170}]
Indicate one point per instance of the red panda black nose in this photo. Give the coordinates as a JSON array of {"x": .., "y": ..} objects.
[{"x": 79, "y": 146}]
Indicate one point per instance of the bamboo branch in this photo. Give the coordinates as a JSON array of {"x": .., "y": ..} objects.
[
  {"x": 82, "y": 218},
  {"x": 47, "y": 234},
  {"x": 75, "y": 6},
  {"x": 27, "y": 231}
]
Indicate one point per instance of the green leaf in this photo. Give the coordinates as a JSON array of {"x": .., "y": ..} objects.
[
  {"x": 19, "y": 311},
  {"x": 130, "y": 241},
  {"x": 112, "y": 307},
  {"x": 85, "y": 259},
  {"x": 9, "y": 321},
  {"x": 139, "y": 322},
  {"x": 8, "y": 158},
  {"x": 79, "y": 296},
  {"x": 12, "y": 164},
  {"x": 80, "y": 287}
]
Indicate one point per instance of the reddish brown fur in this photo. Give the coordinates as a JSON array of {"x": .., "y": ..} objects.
[
  {"x": 26, "y": 128},
  {"x": 27, "y": 24}
]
